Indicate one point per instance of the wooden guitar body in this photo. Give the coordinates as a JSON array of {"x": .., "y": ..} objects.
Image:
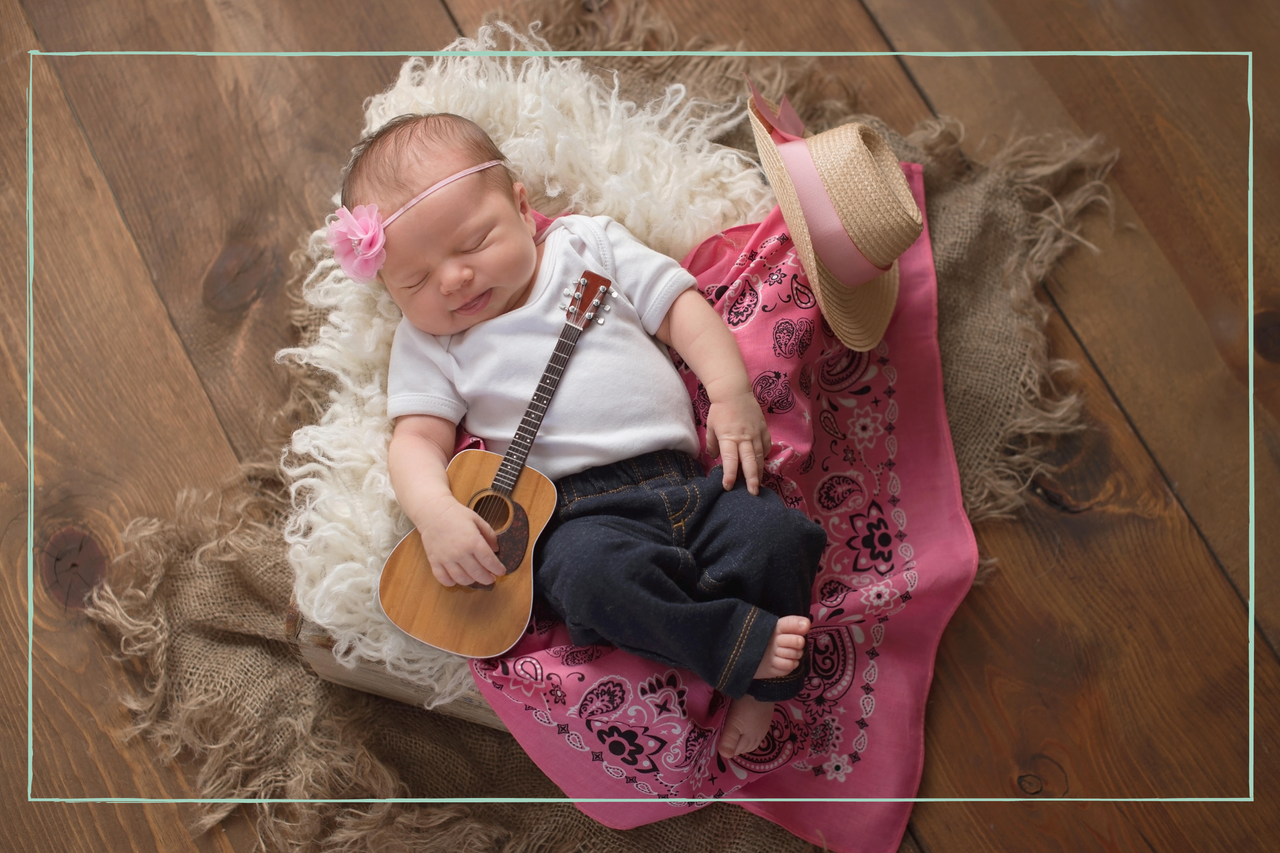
[{"x": 478, "y": 623}]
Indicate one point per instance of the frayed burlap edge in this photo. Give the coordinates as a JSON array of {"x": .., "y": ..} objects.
[
  {"x": 318, "y": 748},
  {"x": 1057, "y": 177}
]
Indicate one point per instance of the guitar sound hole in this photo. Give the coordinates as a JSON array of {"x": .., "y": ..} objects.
[{"x": 493, "y": 509}]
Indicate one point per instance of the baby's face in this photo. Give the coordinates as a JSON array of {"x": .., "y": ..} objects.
[{"x": 462, "y": 255}]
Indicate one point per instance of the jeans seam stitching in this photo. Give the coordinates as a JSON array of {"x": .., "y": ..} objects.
[
  {"x": 599, "y": 494},
  {"x": 737, "y": 648},
  {"x": 670, "y": 517}
]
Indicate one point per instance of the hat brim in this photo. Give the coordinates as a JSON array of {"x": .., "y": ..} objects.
[{"x": 858, "y": 315}]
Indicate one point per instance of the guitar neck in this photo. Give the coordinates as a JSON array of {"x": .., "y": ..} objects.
[{"x": 514, "y": 460}]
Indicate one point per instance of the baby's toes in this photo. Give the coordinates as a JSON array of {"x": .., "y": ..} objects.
[
  {"x": 729, "y": 738},
  {"x": 789, "y": 653},
  {"x": 791, "y": 642},
  {"x": 793, "y": 626}
]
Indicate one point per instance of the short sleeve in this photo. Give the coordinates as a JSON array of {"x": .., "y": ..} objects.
[
  {"x": 420, "y": 377},
  {"x": 650, "y": 280}
]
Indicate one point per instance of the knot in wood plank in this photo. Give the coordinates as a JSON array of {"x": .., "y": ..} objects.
[
  {"x": 1266, "y": 335},
  {"x": 1042, "y": 776},
  {"x": 71, "y": 563},
  {"x": 239, "y": 275}
]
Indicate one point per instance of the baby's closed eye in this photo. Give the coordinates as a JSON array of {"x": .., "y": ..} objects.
[{"x": 477, "y": 245}]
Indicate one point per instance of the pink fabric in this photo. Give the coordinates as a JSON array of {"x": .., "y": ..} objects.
[{"x": 861, "y": 443}]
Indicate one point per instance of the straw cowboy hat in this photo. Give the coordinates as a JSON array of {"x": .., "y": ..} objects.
[{"x": 849, "y": 210}]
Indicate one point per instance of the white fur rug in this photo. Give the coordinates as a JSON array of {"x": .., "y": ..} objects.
[{"x": 576, "y": 146}]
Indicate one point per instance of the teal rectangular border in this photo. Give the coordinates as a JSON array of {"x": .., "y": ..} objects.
[{"x": 588, "y": 53}]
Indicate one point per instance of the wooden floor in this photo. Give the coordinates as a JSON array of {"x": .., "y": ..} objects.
[{"x": 1108, "y": 657}]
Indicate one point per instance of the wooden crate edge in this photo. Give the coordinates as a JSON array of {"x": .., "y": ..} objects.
[{"x": 315, "y": 647}]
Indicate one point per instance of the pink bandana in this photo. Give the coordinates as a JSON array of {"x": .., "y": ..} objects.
[{"x": 358, "y": 236}]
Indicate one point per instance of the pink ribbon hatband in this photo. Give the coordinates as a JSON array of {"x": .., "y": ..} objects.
[
  {"x": 831, "y": 242},
  {"x": 357, "y": 236}
]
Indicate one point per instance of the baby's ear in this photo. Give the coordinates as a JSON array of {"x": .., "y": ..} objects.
[{"x": 521, "y": 198}]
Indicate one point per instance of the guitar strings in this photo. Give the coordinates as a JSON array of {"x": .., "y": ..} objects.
[{"x": 522, "y": 442}]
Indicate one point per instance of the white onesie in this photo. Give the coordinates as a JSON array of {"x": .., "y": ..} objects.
[{"x": 620, "y": 395}]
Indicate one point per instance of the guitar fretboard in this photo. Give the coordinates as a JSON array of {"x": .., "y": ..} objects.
[{"x": 513, "y": 462}]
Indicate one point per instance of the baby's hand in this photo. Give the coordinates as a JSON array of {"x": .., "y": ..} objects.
[
  {"x": 460, "y": 545},
  {"x": 736, "y": 427}
]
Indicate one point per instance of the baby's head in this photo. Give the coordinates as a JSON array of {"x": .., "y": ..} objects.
[{"x": 464, "y": 252}]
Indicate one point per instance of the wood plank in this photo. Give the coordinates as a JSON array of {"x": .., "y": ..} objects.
[
  {"x": 1137, "y": 319},
  {"x": 1187, "y": 173},
  {"x": 120, "y": 426},
  {"x": 1092, "y": 664},
  {"x": 220, "y": 166}
]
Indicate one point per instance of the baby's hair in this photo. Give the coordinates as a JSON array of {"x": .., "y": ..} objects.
[{"x": 378, "y": 161}]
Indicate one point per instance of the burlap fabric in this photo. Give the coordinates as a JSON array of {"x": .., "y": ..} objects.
[{"x": 201, "y": 599}]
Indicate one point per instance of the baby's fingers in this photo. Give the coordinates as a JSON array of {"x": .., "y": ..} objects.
[
  {"x": 451, "y": 574},
  {"x": 477, "y": 571},
  {"x": 483, "y": 564},
  {"x": 751, "y": 466},
  {"x": 729, "y": 460}
]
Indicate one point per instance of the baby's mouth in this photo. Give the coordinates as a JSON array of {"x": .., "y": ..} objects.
[{"x": 475, "y": 305}]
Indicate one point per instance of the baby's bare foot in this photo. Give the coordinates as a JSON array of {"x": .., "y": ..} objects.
[
  {"x": 785, "y": 649},
  {"x": 745, "y": 726}
]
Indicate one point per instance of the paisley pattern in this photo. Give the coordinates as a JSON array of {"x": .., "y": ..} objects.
[
  {"x": 603, "y": 723},
  {"x": 791, "y": 338},
  {"x": 773, "y": 392},
  {"x": 744, "y": 304}
]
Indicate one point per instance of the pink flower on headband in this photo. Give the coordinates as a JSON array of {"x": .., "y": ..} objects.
[{"x": 358, "y": 242}]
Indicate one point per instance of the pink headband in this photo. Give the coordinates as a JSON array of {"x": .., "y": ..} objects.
[{"x": 358, "y": 237}]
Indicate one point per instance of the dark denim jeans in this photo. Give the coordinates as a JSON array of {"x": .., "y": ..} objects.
[{"x": 658, "y": 559}]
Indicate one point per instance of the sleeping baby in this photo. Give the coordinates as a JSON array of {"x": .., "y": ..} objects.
[{"x": 644, "y": 551}]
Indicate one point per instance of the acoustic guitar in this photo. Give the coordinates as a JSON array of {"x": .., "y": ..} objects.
[{"x": 516, "y": 501}]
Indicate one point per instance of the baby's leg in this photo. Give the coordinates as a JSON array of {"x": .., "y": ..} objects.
[
  {"x": 756, "y": 549},
  {"x": 785, "y": 648},
  {"x": 613, "y": 578}
]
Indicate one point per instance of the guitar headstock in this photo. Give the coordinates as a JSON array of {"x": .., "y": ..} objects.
[{"x": 586, "y": 300}]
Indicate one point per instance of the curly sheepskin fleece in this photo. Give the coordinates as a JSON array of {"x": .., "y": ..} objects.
[{"x": 577, "y": 147}]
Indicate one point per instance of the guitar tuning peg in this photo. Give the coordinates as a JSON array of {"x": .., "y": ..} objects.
[
  {"x": 567, "y": 292},
  {"x": 595, "y": 301},
  {"x": 590, "y": 315},
  {"x": 613, "y": 293},
  {"x": 564, "y": 305},
  {"x": 600, "y": 321},
  {"x": 607, "y": 307}
]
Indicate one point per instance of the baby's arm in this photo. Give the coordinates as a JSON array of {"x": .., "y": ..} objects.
[
  {"x": 459, "y": 543},
  {"x": 734, "y": 423}
]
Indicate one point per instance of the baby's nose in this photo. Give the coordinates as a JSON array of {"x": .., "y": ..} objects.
[{"x": 455, "y": 277}]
